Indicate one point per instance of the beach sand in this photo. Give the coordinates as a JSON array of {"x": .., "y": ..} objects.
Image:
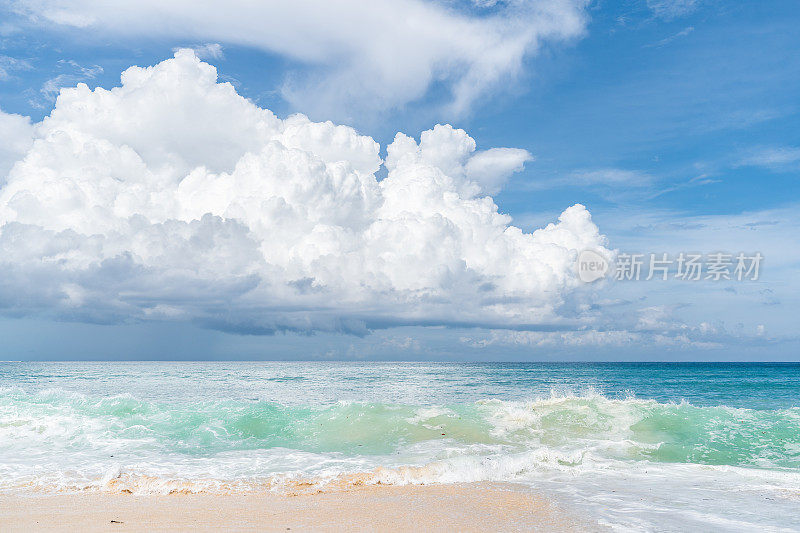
[{"x": 462, "y": 507}]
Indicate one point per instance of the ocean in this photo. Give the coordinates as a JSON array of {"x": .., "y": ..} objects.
[{"x": 637, "y": 447}]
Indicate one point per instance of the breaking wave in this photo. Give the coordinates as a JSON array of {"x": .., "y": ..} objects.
[{"x": 58, "y": 439}]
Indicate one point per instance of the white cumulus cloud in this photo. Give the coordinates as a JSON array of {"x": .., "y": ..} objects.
[
  {"x": 16, "y": 137},
  {"x": 172, "y": 197}
]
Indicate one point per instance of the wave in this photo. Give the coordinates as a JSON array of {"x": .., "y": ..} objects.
[{"x": 66, "y": 439}]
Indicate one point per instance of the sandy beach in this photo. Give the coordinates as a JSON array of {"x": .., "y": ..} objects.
[{"x": 463, "y": 507}]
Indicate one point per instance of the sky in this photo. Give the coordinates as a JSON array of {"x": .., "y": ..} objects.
[{"x": 408, "y": 180}]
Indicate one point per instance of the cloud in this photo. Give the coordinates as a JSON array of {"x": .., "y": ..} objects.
[
  {"x": 613, "y": 177},
  {"x": 640, "y": 230},
  {"x": 207, "y": 51},
  {"x": 52, "y": 86},
  {"x": 491, "y": 168},
  {"x": 775, "y": 158},
  {"x": 9, "y": 64},
  {"x": 372, "y": 56},
  {"x": 453, "y": 151},
  {"x": 656, "y": 326},
  {"x": 694, "y": 338},
  {"x": 671, "y": 9},
  {"x": 16, "y": 137},
  {"x": 544, "y": 339},
  {"x": 618, "y": 185},
  {"x": 701, "y": 180},
  {"x": 665, "y": 41},
  {"x": 171, "y": 197},
  {"x": 615, "y": 184}
]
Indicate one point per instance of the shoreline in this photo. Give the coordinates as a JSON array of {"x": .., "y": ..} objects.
[{"x": 477, "y": 506}]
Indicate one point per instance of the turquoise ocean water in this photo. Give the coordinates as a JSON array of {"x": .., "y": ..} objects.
[{"x": 658, "y": 447}]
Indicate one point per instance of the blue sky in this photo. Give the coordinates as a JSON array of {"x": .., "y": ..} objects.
[{"x": 673, "y": 122}]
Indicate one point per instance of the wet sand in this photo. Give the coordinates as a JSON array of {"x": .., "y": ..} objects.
[{"x": 462, "y": 507}]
